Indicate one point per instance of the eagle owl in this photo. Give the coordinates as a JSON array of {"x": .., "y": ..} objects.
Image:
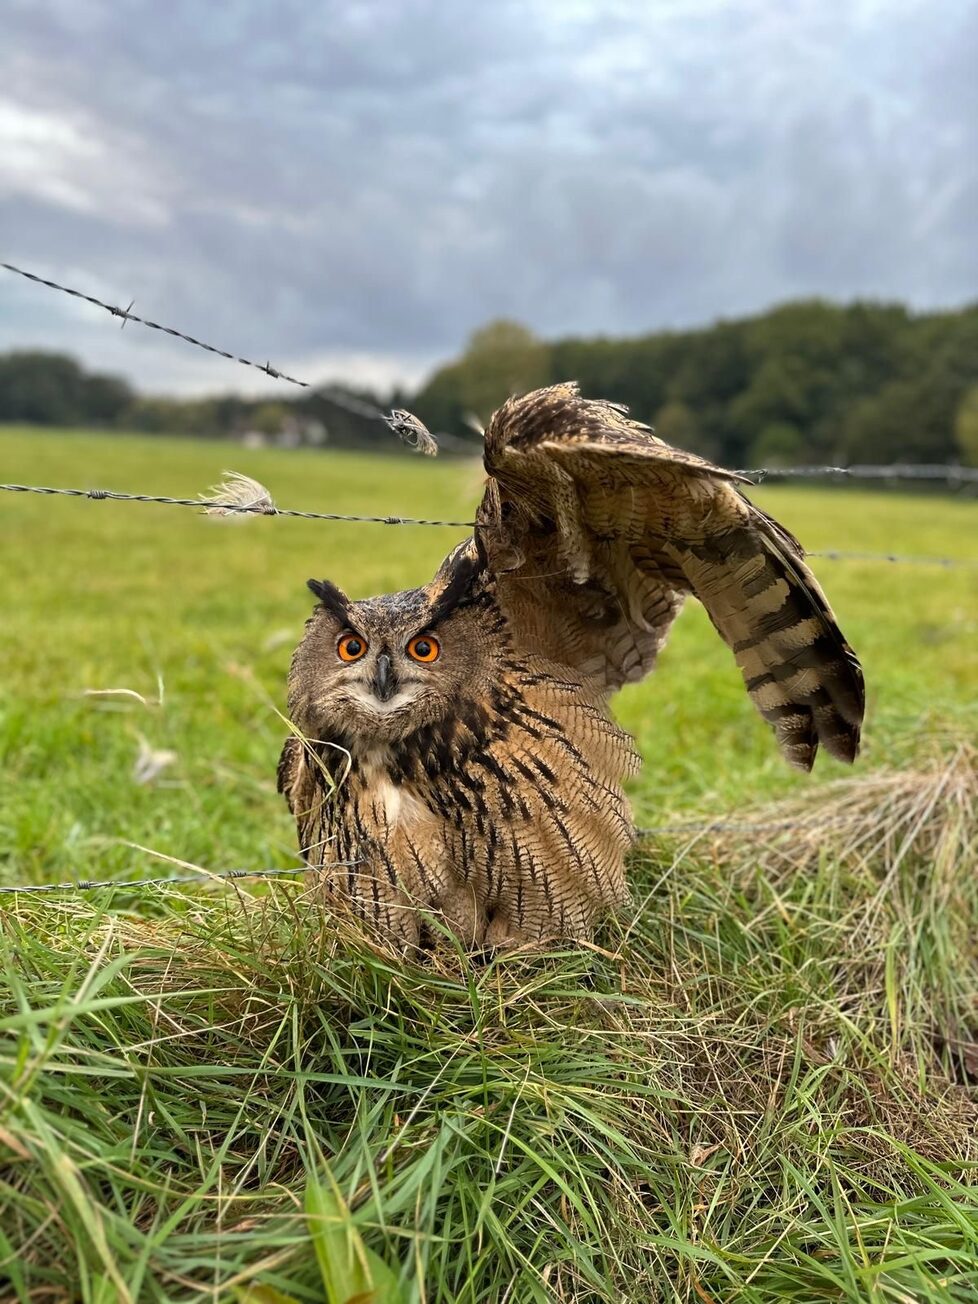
[{"x": 453, "y": 756}]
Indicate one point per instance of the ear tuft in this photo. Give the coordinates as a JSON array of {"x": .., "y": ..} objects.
[
  {"x": 334, "y": 600},
  {"x": 455, "y": 582}
]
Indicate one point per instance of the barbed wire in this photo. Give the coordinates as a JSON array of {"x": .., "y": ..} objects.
[
  {"x": 204, "y": 876},
  {"x": 404, "y": 424},
  {"x": 739, "y": 826},
  {"x": 899, "y": 559},
  {"x": 125, "y": 314},
  {"x": 950, "y": 474},
  {"x": 219, "y": 505},
  {"x": 93, "y": 885},
  {"x": 266, "y": 507}
]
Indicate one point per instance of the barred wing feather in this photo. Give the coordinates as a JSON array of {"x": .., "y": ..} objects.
[{"x": 596, "y": 532}]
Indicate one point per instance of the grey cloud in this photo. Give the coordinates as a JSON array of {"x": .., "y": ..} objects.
[{"x": 379, "y": 178}]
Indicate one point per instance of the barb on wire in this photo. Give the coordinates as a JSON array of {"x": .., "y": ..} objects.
[{"x": 409, "y": 428}]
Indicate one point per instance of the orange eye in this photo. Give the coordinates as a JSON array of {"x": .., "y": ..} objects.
[
  {"x": 424, "y": 648},
  {"x": 351, "y": 647}
]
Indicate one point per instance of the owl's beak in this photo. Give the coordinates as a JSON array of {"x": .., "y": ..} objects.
[{"x": 384, "y": 681}]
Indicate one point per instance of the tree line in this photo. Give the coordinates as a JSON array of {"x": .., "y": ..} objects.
[
  {"x": 53, "y": 389},
  {"x": 803, "y": 382}
]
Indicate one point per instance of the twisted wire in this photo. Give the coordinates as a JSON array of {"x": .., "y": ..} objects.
[
  {"x": 266, "y": 508},
  {"x": 216, "y": 504},
  {"x": 202, "y": 876},
  {"x": 899, "y": 559},
  {"x": 950, "y": 474},
  {"x": 735, "y": 826},
  {"x": 404, "y": 424},
  {"x": 126, "y": 315}
]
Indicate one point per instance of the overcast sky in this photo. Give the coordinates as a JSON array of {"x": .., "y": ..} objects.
[{"x": 349, "y": 187}]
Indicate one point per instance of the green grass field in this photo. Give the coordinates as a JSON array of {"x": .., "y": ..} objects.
[{"x": 760, "y": 1087}]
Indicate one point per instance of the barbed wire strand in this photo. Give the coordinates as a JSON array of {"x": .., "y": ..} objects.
[
  {"x": 204, "y": 876},
  {"x": 126, "y": 315},
  {"x": 404, "y": 424},
  {"x": 950, "y": 474},
  {"x": 898, "y": 559},
  {"x": 93, "y": 885},
  {"x": 409, "y": 428},
  {"x": 216, "y": 504},
  {"x": 739, "y": 826},
  {"x": 267, "y": 508}
]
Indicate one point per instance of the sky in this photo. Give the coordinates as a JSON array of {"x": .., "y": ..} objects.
[{"x": 348, "y": 188}]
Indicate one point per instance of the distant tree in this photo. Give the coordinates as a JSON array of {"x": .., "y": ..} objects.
[
  {"x": 708, "y": 367},
  {"x": 52, "y": 389},
  {"x": 780, "y": 391},
  {"x": 228, "y": 412},
  {"x": 778, "y": 444},
  {"x": 966, "y": 426},
  {"x": 911, "y": 419},
  {"x": 41, "y": 387},
  {"x": 269, "y": 418},
  {"x": 501, "y": 359},
  {"x": 104, "y": 399},
  {"x": 676, "y": 424},
  {"x": 153, "y": 415}
]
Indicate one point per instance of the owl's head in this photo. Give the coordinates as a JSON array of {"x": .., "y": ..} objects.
[{"x": 370, "y": 673}]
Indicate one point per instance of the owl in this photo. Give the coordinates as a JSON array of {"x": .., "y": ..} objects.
[{"x": 454, "y": 763}]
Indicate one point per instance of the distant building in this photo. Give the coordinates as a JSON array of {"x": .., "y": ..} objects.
[{"x": 292, "y": 432}]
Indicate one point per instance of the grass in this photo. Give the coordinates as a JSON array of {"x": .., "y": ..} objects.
[{"x": 761, "y": 1086}]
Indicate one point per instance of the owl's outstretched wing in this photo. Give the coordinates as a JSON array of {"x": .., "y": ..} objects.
[{"x": 595, "y": 531}]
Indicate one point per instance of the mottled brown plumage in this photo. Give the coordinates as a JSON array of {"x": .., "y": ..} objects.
[{"x": 483, "y": 786}]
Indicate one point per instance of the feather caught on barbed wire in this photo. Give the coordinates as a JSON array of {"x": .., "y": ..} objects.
[
  {"x": 413, "y": 431},
  {"x": 237, "y": 496}
]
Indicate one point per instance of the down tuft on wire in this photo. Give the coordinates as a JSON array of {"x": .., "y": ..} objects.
[{"x": 238, "y": 495}]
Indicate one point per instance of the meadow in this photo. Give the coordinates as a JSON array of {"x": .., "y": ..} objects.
[{"x": 760, "y": 1086}]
